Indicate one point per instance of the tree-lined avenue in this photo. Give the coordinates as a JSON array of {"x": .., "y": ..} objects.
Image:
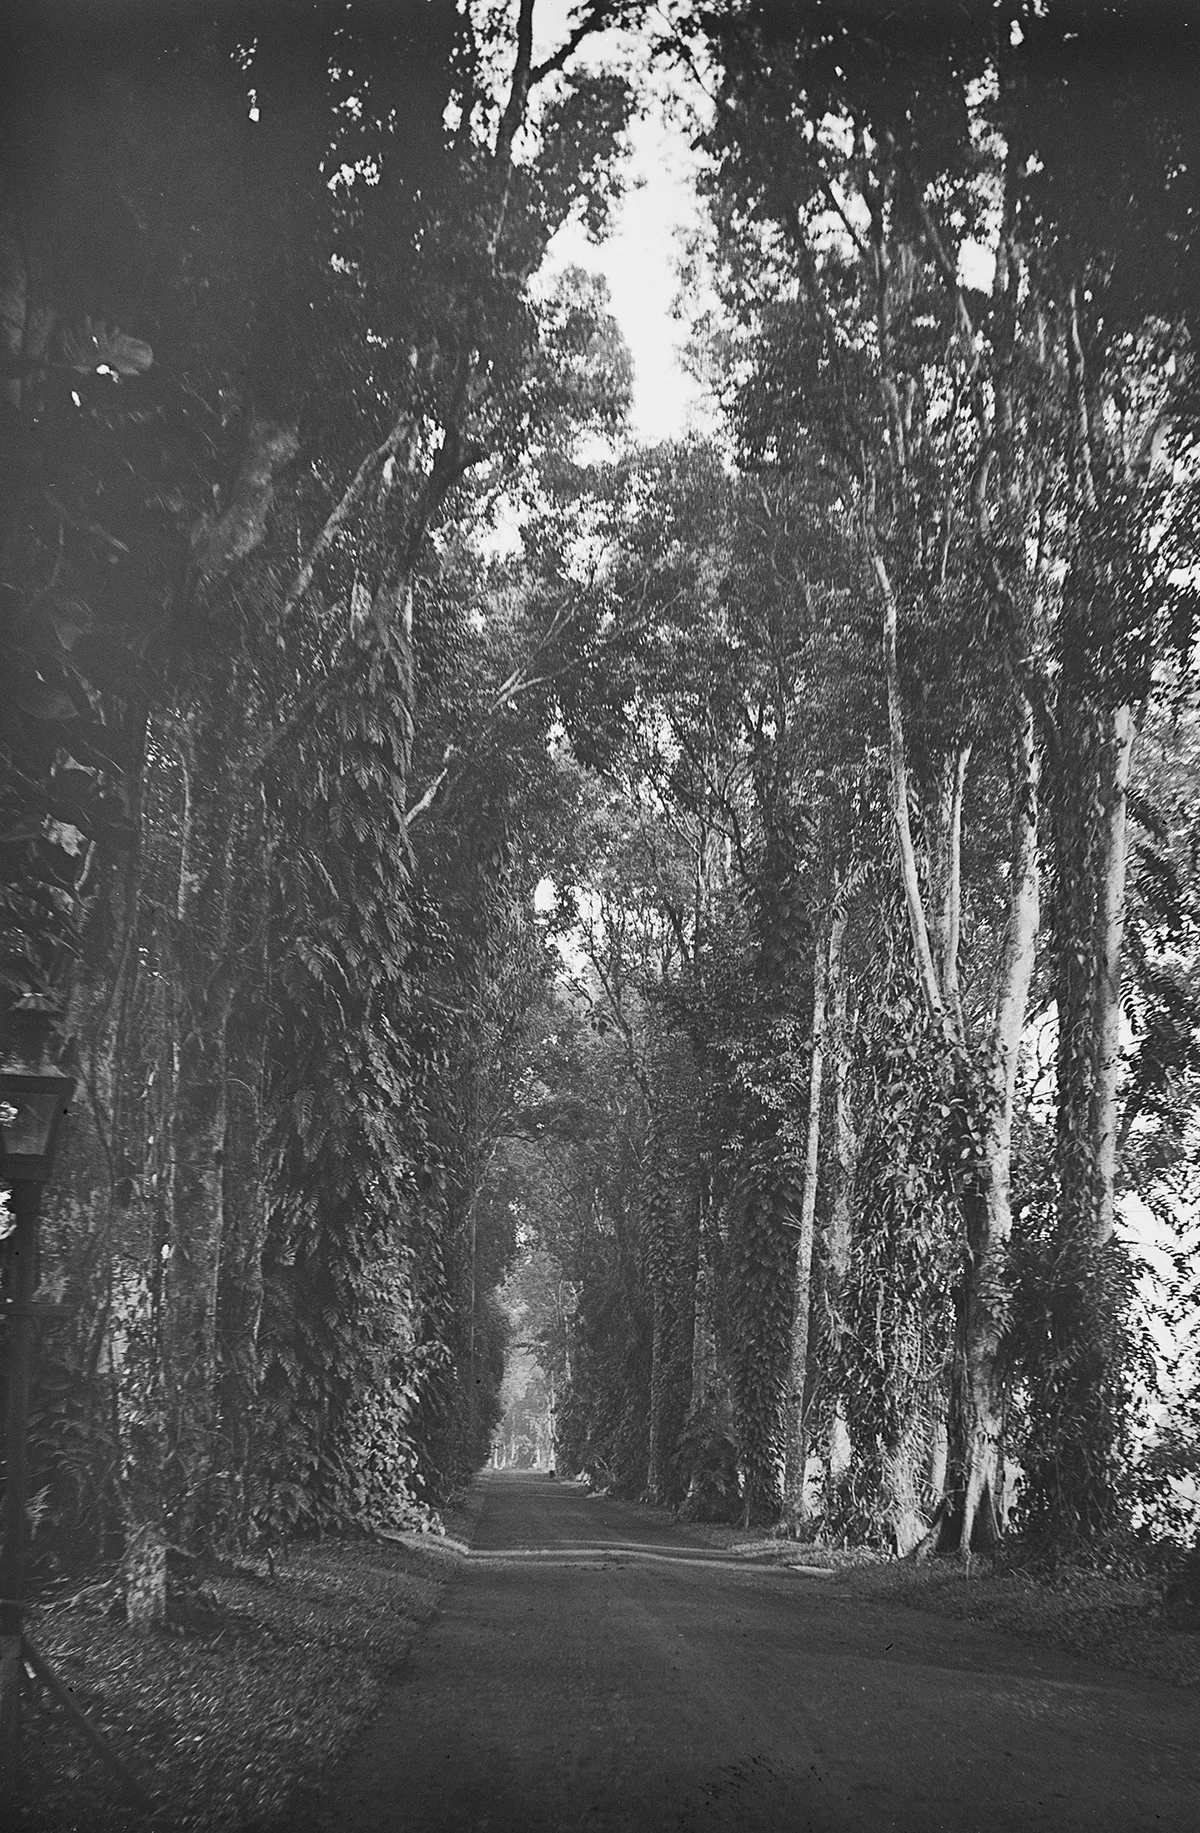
[{"x": 677, "y": 959}]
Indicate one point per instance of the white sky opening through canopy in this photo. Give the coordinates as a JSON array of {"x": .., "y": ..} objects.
[{"x": 640, "y": 256}]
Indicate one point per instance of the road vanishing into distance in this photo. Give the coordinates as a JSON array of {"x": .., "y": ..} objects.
[{"x": 591, "y": 1670}]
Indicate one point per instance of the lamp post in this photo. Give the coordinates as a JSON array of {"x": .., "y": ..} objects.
[{"x": 34, "y": 1097}]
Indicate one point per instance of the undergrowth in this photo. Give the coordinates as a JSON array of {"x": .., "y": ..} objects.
[{"x": 229, "y": 1717}]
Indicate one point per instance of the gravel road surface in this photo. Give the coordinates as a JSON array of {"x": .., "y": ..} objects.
[{"x": 595, "y": 1672}]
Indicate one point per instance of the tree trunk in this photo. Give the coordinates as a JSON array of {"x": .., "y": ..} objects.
[
  {"x": 763, "y": 1206},
  {"x": 704, "y": 1342},
  {"x": 901, "y": 1484},
  {"x": 986, "y": 1304},
  {"x": 1109, "y": 948},
  {"x": 240, "y": 1275},
  {"x": 795, "y": 1457},
  {"x": 838, "y": 1236},
  {"x": 969, "y": 1515},
  {"x": 1078, "y": 1396},
  {"x": 906, "y": 853},
  {"x": 91, "y": 1183},
  {"x": 198, "y": 1226},
  {"x": 196, "y": 1195},
  {"x": 138, "y": 1328},
  {"x": 671, "y": 1354},
  {"x": 952, "y": 900},
  {"x": 1076, "y": 849}
]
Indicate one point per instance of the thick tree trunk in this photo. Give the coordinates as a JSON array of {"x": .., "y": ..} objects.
[
  {"x": 240, "y": 1275},
  {"x": 127, "y": 1072},
  {"x": 658, "y": 1451},
  {"x": 198, "y": 1226},
  {"x": 660, "y": 1224},
  {"x": 1076, "y": 849},
  {"x": 198, "y": 1121},
  {"x": 704, "y": 1341},
  {"x": 763, "y": 1206},
  {"x": 1078, "y": 1394},
  {"x": 218, "y": 545},
  {"x": 170, "y": 1121},
  {"x": 138, "y": 1307},
  {"x": 670, "y": 1378}
]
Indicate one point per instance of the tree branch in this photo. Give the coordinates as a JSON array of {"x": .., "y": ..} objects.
[
  {"x": 351, "y": 497},
  {"x": 950, "y": 985},
  {"x": 511, "y": 119},
  {"x": 918, "y": 924},
  {"x": 940, "y": 255},
  {"x": 1002, "y": 596},
  {"x": 1083, "y": 430},
  {"x": 519, "y": 682},
  {"x": 595, "y": 20}
]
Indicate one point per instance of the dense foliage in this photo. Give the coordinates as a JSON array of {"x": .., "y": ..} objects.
[
  {"x": 893, "y": 761},
  {"x": 274, "y": 765},
  {"x": 791, "y": 1156}
]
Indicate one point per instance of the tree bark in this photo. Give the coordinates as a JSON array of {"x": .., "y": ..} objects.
[
  {"x": 198, "y": 1227},
  {"x": 240, "y": 1277},
  {"x": 795, "y": 1456},
  {"x": 704, "y": 1345},
  {"x": 1078, "y": 1391},
  {"x": 143, "y": 1093},
  {"x": 969, "y": 1516},
  {"x": 986, "y": 1306},
  {"x": 953, "y": 894},
  {"x": 219, "y": 545},
  {"x": 1109, "y": 948},
  {"x": 196, "y": 1195},
  {"x": 907, "y": 858},
  {"x": 671, "y": 1358},
  {"x": 838, "y": 1236}
]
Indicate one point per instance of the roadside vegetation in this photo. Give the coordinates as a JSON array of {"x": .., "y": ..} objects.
[
  {"x": 1140, "y": 1620},
  {"x": 1119, "y": 1620},
  {"x": 230, "y": 1718},
  {"x": 862, "y": 1127}
]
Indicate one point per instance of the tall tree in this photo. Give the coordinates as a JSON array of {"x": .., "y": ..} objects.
[
  {"x": 265, "y": 308},
  {"x": 867, "y": 163}
]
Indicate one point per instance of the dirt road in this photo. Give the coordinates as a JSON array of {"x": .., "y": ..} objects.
[{"x": 589, "y": 1671}]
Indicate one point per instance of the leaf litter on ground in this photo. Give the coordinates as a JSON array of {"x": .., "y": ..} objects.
[{"x": 228, "y": 1716}]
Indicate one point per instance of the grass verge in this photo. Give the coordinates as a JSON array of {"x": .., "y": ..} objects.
[
  {"x": 228, "y": 1719},
  {"x": 1115, "y": 1620}
]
